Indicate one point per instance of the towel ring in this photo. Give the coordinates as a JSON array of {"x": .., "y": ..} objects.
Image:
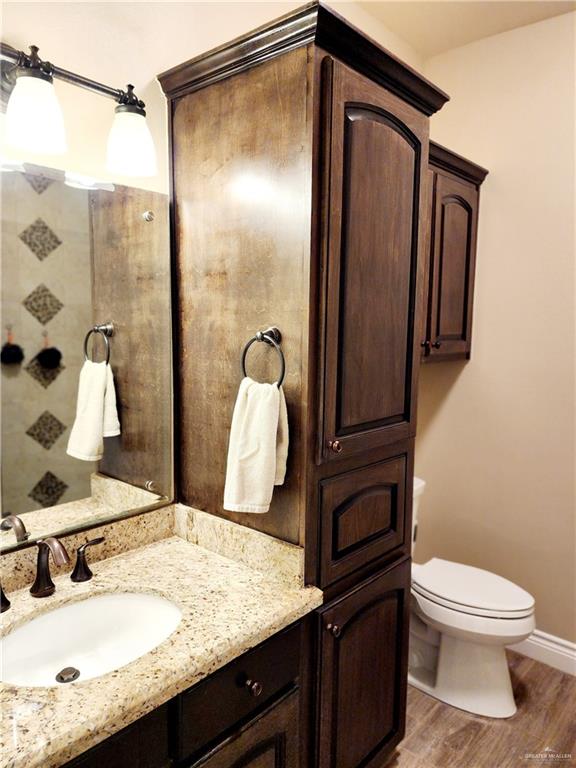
[
  {"x": 105, "y": 330},
  {"x": 273, "y": 337}
]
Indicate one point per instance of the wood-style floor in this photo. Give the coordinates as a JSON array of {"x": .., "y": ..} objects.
[{"x": 439, "y": 736}]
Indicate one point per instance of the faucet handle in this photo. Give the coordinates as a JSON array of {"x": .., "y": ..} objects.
[{"x": 82, "y": 570}]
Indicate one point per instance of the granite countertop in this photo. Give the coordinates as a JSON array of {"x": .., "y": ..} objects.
[{"x": 227, "y": 608}]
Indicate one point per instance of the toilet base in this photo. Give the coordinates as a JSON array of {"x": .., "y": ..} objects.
[{"x": 467, "y": 675}]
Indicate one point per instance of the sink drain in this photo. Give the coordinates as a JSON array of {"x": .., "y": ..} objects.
[{"x": 68, "y": 675}]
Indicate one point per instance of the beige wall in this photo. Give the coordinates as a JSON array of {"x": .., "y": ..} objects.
[
  {"x": 496, "y": 435},
  {"x": 117, "y": 42}
]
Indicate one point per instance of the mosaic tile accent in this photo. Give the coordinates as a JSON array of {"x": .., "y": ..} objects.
[
  {"x": 42, "y": 304},
  {"x": 44, "y": 376},
  {"x": 38, "y": 183},
  {"x": 46, "y": 430},
  {"x": 40, "y": 239},
  {"x": 48, "y": 490}
]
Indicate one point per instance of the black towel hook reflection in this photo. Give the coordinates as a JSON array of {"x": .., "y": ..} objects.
[
  {"x": 105, "y": 330},
  {"x": 273, "y": 337}
]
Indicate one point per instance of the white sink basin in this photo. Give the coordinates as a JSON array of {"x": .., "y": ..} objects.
[{"x": 93, "y": 636}]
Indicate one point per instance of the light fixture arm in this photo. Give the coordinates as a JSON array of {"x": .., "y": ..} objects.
[{"x": 33, "y": 61}]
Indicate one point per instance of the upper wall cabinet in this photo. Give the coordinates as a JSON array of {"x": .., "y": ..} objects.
[
  {"x": 454, "y": 192},
  {"x": 377, "y": 148}
]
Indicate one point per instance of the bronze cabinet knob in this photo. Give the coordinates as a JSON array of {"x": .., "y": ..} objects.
[
  {"x": 253, "y": 687},
  {"x": 425, "y": 345},
  {"x": 334, "y": 630},
  {"x": 437, "y": 344},
  {"x": 335, "y": 446}
]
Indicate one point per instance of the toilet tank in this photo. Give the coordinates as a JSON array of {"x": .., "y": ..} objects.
[{"x": 419, "y": 487}]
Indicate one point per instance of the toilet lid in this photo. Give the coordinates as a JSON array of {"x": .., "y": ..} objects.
[{"x": 463, "y": 585}]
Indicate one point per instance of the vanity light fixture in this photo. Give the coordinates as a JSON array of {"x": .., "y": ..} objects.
[
  {"x": 130, "y": 147},
  {"x": 33, "y": 115},
  {"x": 34, "y": 121}
]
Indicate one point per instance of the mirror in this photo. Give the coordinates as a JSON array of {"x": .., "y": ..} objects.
[{"x": 76, "y": 253}]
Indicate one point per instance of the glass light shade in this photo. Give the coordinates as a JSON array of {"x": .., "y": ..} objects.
[
  {"x": 130, "y": 146},
  {"x": 34, "y": 119}
]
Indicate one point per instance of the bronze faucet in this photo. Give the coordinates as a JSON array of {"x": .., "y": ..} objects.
[
  {"x": 43, "y": 585},
  {"x": 17, "y": 525}
]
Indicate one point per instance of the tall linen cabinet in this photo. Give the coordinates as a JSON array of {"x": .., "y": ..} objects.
[{"x": 299, "y": 156}]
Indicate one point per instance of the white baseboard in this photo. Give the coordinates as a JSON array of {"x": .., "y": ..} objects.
[{"x": 551, "y": 650}]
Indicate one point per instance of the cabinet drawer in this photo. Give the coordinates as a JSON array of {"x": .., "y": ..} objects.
[
  {"x": 207, "y": 711},
  {"x": 362, "y": 516},
  {"x": 269, "y": 741}
]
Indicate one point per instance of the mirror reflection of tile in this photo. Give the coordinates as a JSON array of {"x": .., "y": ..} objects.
[{"x": 46, "y": 287}]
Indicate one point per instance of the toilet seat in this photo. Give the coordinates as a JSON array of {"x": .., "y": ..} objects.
[
  {"x": 465, "y": 589},
  {"x": 472, "y": 611},
  {"x": 472, "y": 627}
]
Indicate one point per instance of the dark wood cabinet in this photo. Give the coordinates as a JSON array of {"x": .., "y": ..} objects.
[
  {"x": 363, "y": 668},
  {"x": 374, "y": 232},
  {"x": 270, "y": 741},
  {"x": 454, "y": 198},
  {"x": 306, "y": 210}
]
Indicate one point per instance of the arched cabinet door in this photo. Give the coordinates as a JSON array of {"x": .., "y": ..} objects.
[
  {"x": 454, "y": 223},
  {"x": 363, "y": 672},
  {"x": 375, "y": 156}
]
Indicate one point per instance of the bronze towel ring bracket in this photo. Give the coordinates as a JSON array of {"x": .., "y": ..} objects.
[
  {"x": 105, "y": 330},
  {"x": 273, "y": 337}
]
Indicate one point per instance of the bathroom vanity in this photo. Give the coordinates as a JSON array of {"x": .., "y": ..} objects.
[{"x": 232, "y": 674}]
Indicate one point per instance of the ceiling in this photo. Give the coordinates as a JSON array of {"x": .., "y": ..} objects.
[{"x": 435, "y": 26}]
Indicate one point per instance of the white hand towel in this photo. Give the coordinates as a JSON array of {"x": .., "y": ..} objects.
[
  {"x": 258, "y": 447},
  {"x": 281, "y": 441},
  {"x": 111, "y": 424},
  {"x": 95, "y": 388}
]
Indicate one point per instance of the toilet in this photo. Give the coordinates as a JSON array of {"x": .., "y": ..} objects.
[{"x": 462, "y": 618}]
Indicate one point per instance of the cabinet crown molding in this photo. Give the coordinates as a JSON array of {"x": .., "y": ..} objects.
[
  {"x": 446, "y": 160},
  {"x": 312, "y": 23}
]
